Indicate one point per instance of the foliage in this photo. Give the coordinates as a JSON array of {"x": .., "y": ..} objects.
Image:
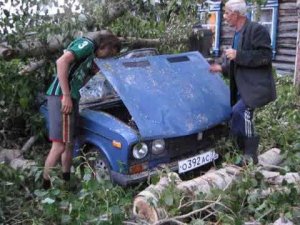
[
  {"x": 86, "y": 202},
  {"x": 89, "y": 202},
  {"x": 18, "y": 112},
  {"x": 279, "y": 123},
  {"x": 34, "y": 20}
]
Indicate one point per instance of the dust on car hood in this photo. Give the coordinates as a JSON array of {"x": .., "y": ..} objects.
[{"x": 169, "y": 95}]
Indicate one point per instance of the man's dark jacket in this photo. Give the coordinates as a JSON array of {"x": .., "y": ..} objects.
[{"x": 251, "y": 72}]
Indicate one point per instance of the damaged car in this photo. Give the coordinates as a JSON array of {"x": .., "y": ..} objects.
[{"x": 146, "y": 111}]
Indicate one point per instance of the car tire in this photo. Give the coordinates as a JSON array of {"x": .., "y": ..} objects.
[{"x": 99, "y": 164}]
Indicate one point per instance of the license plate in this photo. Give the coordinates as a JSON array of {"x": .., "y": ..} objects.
[{"x": 197, "y": 161}]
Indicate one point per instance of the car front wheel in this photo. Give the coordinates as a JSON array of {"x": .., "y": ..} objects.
[{"x": 99, "y": 164}]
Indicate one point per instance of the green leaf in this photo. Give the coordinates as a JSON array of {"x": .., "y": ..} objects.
[
  {"x": 55, "y": 192},
  {"x": 65, "y": 219},
  {"x": 40, "y": 193},
  {"x": 168, "y": 199},
  {"x": 24, "y": 102},
  {"x": 37, "y": 175},
  {"x": 115, "y": 210},
  {"x": 48, "y": 201},
  {"x": 198, "y": 222},
  {"x": 87, "y": 177}
]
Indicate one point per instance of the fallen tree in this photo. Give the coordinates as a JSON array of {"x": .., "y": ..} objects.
[
  {"x": 36, "y": 48},
  {"x": 15, "y": 158},
  {"x": 145, "y": 202}
]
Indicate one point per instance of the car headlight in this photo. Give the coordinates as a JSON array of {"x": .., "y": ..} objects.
[
  {"x": 140, "y": 150},
  {"x": 158, "y": 146}
]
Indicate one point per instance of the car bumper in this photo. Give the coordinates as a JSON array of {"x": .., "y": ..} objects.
[{"x": 127, "y": 179}]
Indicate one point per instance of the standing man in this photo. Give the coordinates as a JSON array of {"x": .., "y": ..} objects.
[
  {"x": 73, "y": 67},
  {"x": 249, "y": 66}
]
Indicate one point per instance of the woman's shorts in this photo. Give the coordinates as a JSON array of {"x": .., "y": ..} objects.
[{"x": 62, "y": 127}]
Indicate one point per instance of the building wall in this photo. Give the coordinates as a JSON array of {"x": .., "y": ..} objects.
[{"x": 286, "y": 37}]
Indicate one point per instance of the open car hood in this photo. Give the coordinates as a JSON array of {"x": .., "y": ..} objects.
[{"x": 169, "y": 95}]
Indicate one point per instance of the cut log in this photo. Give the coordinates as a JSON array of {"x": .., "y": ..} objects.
[
  {"x": 283, "y": 66},
  {"x": 284, "y": 58},
  {"x": 277, "y": 179},
  {"x": 283, "y": 221},
  {"x": 287, "y": 35},
  {"x": 287, "y": 12},
  {"x": 14, "y": 157},
  {"x": 287, "y": 18},
  {"x": 284, "y": 73},
  {"x": 282, "y": 51},
  {"x": 144, "y": 205},
  {"x": 288, "y": 5},
  {"x": 288, "y": 27},
  {"x": 7, "y": 155}
]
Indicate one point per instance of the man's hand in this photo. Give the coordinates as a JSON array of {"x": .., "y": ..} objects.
[
  {"x": 215, "y": 68},
  {"x": 66, "y": 104},
  {"x": 230, "y": 54}
]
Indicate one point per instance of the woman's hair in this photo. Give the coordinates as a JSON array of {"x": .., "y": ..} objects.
[
  {"x": 104, "y": 38},
  {"x": 238, "y": 6},
  {"x": 110, "y": 40}
]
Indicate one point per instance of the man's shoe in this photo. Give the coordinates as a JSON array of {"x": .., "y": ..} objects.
[
  {"x": 251, "y": 147},
  {"x": 46, "y": 184},
  {"x": 245, "y": 161}
]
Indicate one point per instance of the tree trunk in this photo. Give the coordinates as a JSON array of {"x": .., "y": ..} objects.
[
  {"x": 35, "y": 48},
  {"x": 32, "y": 67},
  {"x": 32, "y": 48},
  {"x": 140, "y": 42},
  {"x": 144, "y": 202}
]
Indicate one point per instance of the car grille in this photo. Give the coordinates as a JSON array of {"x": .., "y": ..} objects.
[{"x": 181, "y": 147}]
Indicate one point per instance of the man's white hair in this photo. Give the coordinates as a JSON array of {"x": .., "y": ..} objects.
[{"x": 237, "y": 6}]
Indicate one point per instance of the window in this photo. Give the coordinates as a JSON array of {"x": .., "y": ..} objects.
[
  {"x": 268, "y": 18},
  {"x": 209, "y": 14}
]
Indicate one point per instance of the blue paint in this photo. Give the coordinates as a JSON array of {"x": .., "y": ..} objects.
[
  {"x": 168, "y": 96},
  {"x": 169, "y": 99}
]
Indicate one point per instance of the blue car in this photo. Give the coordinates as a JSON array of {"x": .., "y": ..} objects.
[{"x": 144, "y": 113}]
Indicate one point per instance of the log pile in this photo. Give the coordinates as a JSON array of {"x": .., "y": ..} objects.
[{"x": 145, "y": 202}]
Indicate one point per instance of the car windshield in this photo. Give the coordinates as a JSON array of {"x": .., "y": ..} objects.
[{"x": 96, "y": 90}]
